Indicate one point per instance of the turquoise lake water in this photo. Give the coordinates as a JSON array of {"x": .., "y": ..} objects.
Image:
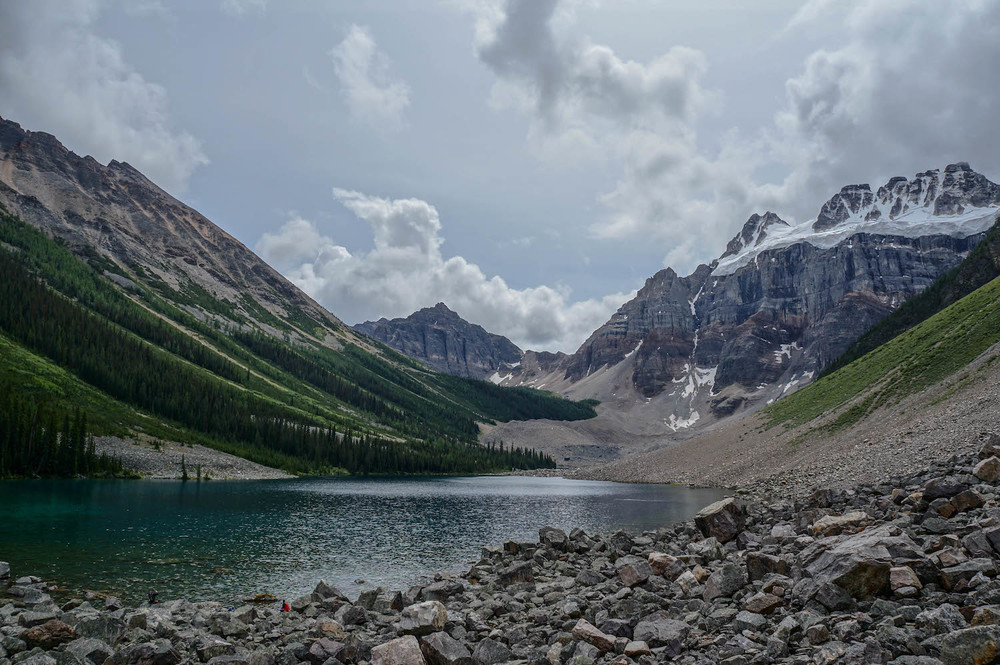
[{"x": 223, "y": 540}]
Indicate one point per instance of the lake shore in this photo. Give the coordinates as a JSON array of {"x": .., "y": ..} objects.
[{"x": 902, "y": 572}]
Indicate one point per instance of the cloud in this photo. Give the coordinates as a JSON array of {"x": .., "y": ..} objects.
[
  {"x": 373, "y": 96},
  {"x": 909, "y": 90},
  {"x": 584, "y": 100},
  {"x": 57, "y": 75},
  {"x": 406, "y": 271},
  {"x": 903, "y": 89}
]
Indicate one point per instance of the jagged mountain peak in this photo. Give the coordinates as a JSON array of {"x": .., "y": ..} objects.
[
  {"x": 955, "y": 201},
  {"x": 943, "y": 192},
  {"x": 753, "y": 233}
]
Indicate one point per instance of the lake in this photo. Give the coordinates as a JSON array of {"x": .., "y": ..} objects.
[{"x": 223, "y": 540}]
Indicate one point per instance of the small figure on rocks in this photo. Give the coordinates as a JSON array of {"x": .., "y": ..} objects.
[
  {"x": 152, "y": 597},
  {"x": 285, "y": 607}
]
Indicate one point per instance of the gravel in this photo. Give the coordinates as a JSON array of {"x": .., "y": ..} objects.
[{"x": 165, "y": 461}]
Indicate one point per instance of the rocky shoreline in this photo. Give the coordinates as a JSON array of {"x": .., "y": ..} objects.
[{"x": 902, "y": 572}]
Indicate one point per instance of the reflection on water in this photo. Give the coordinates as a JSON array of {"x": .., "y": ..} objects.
[{"x": 222, "y": 540}]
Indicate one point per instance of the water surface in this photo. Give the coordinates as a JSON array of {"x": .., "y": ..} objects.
[{"x": 222, "y": 540}]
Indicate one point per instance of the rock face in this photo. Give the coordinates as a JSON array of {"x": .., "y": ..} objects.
[
  {"x": 442, "y": 340},
  {"x": 133, "y": 225},
  {"x": 780, "y": 304}
]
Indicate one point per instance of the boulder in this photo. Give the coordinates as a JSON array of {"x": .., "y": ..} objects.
[
  {"x": 31, "y": 619},
  {"x": 634, "y": 573},
  {"x": 587, "y": 632},
  {"x": 49, "y": 635},
  {"x": 987, "y": 470},
  {"x": 723, "y": 520},
  {"x": 940, "y": 620},
  {"x": 860, "y": 563},
  {"x": 400, "y": 651},
  {"x": 635, "y": 649},
  {"x": 659, "y": 630},
  {"x": 490, "y": 652},
  {"x": 971, "y": 646},
  {"x": 554, "y": 538},
  {"x": 331, "y": 629},
  {"x": 762, "y": 603},
  {"x": 442, "y": 591},
  {"x": 760, "y": 565},
  {"x": 832, "y": 525},
  {"x": 351, "y": 615},
  {"x": 517, "y": 574},
  {"x": 725, "y": 581},
  {"x": 324, "y": 591},
  {"x": 101, "y": 627},
  {"x": 146, "y": 653},
  {"x": 749, "y": 621},
  {"x": 442, "y": 649},
  {"x": 423, "y": 618},
  {"x": 665, "y": 565},
  {"x": 903, "y": 576},
  {"x": 321, "y": 650},
  {"x": 945, "y": 488},
  {"x": 4, "y": 570},
  {"x": 90, "y": 651},
  {"x": 389, "y": 601}
]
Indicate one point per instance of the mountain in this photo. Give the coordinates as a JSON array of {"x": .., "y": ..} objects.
[
  {"x": 926, "y": 395},
  {"x": 444, "y": 341},
  {"x": 118, "y": 299},
  {"x": 783, "y": 302}
]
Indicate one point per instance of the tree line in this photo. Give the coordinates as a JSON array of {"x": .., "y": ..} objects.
[{"x": 39, "y": 440}]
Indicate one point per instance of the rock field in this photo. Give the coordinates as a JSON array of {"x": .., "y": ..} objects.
[{"x": 902, "y": 572}]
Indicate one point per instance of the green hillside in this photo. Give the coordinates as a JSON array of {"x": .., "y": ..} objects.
[
  {"x": 927, "y": 353},
  {"x": 979, "y": 267},
  {"x": 137, "y": 361}
]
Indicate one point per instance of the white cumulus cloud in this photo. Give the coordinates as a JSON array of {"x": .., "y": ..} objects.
[
  {"x": 58, "y": 75},
  {"x": 373, "y": 96},
  {"x": 406, "y": 271}
]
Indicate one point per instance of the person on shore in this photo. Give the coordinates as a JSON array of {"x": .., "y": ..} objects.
[
  {"x": 152, "y": 597},
  {"x": 285, "y": 607}
]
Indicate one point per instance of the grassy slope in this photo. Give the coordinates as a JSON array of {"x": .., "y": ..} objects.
[
  {"x": 979, "y": 267},
  {"x": 386, "y": 395},
  {"x": 923, "y": 355}
]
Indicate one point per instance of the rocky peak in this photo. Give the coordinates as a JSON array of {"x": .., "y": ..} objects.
[
  {"x": 119, "y": 213},
  {"x": 441, "y": 339},
  {"x": 950, "y": 193},
  {"x": 754, "y": 231},
  {"x": 852, "y": 201}
]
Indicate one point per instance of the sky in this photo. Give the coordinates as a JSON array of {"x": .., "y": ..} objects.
[{"x": 528, "y": 162}]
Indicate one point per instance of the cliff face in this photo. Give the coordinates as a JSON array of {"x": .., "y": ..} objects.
[
  {"x": 127, "y": 219},
  {"x": 442, "y": 340},
  {"x": 779, "y": 304}
]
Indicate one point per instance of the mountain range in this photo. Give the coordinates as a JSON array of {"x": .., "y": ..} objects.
[
  {"x": 172, "y": 329},
  {"x": 779, "y": 305},
  {"x": 119, "y": 300}
]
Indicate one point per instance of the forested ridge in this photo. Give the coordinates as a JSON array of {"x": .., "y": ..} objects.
[{"x": 300, "y": 406}]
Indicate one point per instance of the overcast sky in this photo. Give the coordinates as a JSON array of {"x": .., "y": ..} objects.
[{"x": 528, "y": 162}]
